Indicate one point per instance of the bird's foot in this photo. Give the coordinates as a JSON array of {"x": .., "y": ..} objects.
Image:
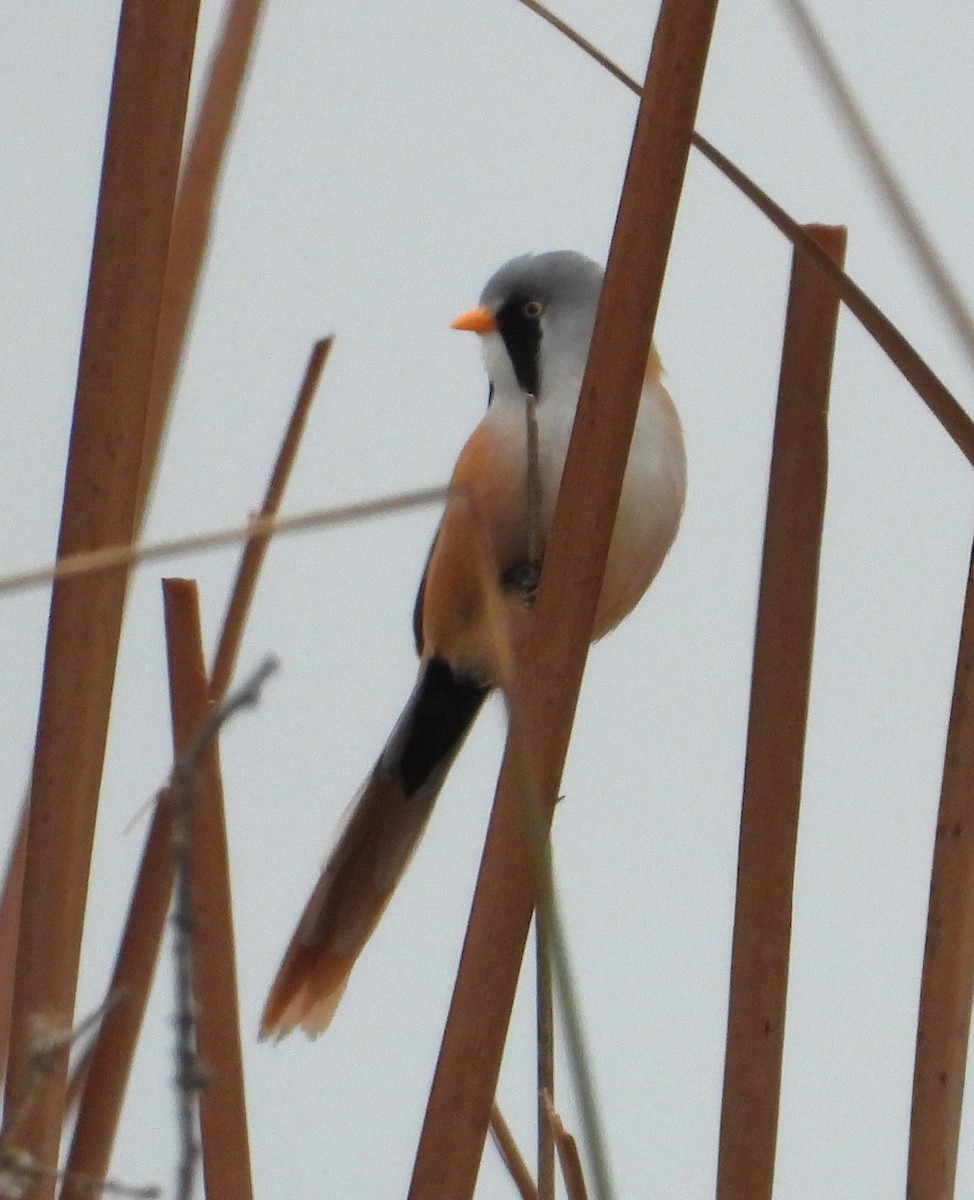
[{"x": 523, "y": 579}]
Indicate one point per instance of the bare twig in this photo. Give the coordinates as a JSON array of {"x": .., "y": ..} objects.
[
  {"x": 582, "y": 43},
  {"x": 116, "y": 556},
  {"x": 571, "y": 1164},
  {"x": 561, "y": 971},
  {"x": 18, "y": 1174},
  {"x": 912, "y": 229},
  {"x": 915, "y": 370},
  {"x": 19, "y": 1169},
  {"x": 190, "y": 1072},
  {"x": 246, "y": 696},
  {"x": 252, "y": 558},
  {"x": 544, "y": 1005},
  {"x": 51, "y": 1043},
  {"x": 507, "y": 1148},
  {"x": 192, "y": 220}
]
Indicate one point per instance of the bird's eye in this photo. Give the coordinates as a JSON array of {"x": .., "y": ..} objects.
[{"x": 533, "y": 309}]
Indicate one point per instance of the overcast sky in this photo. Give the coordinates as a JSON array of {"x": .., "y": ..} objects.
[{"x": 387, "y": 159}]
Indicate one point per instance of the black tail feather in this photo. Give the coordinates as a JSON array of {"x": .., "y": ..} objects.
[{"x": 432, "y": 728}]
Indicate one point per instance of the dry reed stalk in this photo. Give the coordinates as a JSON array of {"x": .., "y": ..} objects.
[
  {"x": 568, "y": 1156},
  {"x": 544, "y": 994},
  {"x": 13, "y": 889},
  {"x": 20, "y": 1172},
  {"x": 145, "y": 124},
  {"x": 192, "y": 221},
  {"x": 928, "y": 386},
  {"x": 112, "y": 1052},
  {"x": 252, "y": 558},
  {"x": 97, "y": 561},
  {"x": 223, "y": 1112},
  {"x": 938, "y": 398},
  {"x": 507, "y": 1148},
  {"x": 546, "y": 1055},
  {"x": 947, "y": 985},
  {"x": 776, "y": 733},
  {"x": 912, "y": 230},
  {"x": 106, "y": 1070},
  {"x": 106, "y": 1073},
  {"x": 463, "y": 1088}
]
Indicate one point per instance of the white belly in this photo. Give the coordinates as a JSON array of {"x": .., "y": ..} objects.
[{"x": 650, "y": 506}]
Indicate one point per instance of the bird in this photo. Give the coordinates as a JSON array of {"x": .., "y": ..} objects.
[{"x": 535, "y": 321}]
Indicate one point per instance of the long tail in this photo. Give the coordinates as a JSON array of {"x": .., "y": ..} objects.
[{"x": 373, "y": 848}]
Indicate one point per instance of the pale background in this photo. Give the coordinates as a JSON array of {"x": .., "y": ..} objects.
[{"x": 387, "y": 158}]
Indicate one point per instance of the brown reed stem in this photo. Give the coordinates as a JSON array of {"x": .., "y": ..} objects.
[
  {"x": 508, "y": 1149},
  {"x": 192, "y": 222},
  {"x": 106, "y": 1075},
  {"x": 211, "y": 1058},
  {"x": 546, "y": 1055},
  {"x": 252, "y": 559},
  {"x": 13, "y": 889},
  {"x": 145, "y": 124},
  {"x": 776, "y": 734},
  {"x": 912, "y": 230},
  {"x": 19, "y": 1170},
  {"x": 947, "y": 985},
  {"x": 463, "y": 1088},
  {"x": 568, "y": 1156},
  {"x": 939, "y": 400},
  {"x": 106, "y": 1072}
]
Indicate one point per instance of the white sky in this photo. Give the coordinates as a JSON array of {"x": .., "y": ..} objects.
[{"x": 388, "y": 157}]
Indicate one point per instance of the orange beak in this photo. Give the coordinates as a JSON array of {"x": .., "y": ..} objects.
[{"x": 477, "y": 320}]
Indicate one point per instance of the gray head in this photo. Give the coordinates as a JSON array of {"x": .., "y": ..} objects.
[
  {"x": 558, "y": 277},
  {"x": 543, "y": 307}
]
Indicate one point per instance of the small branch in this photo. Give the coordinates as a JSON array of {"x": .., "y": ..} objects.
[
  {"x": 560, "y": 968},
  {"x": 583, "y": 44},
  {"x": 52, "y": 1043},
  {"x": 507, "y": 1148},
  {"x": 568, "y": 1158},
  {"x": 18, "y": 1173},
  {"x": 253, "y": 556},
  {"x": 19, "y": 1169},
  {"x": 192, "y": 220},
  {"x": 912, "y": 230},
  {"x": 117, "y": 556},
  {"x": 246, "y": 696}
]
